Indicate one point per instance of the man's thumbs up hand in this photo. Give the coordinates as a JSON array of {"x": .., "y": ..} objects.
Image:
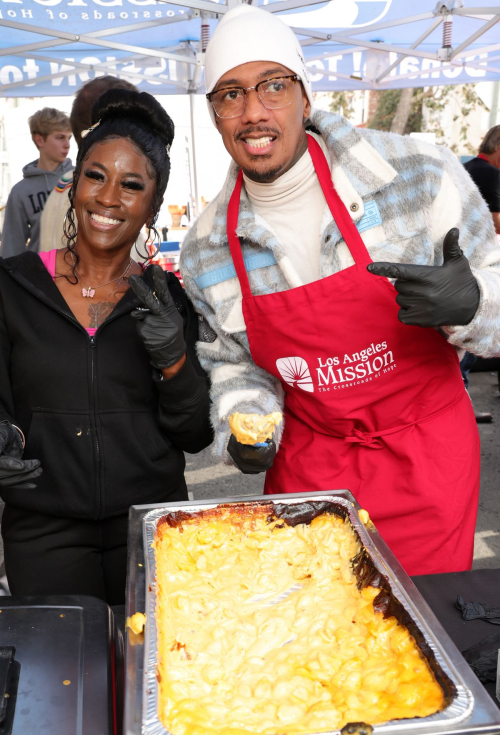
[
  {"x": 434, "y": 296},
  {"x": 451, "y": 248}
]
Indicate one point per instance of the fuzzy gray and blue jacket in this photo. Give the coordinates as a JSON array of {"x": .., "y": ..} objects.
[{"x": 417, "y": 191}]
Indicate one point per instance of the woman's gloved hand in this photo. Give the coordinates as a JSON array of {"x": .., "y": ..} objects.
[
  {"x": 15, "y": 472},
  {"x": 251, "y": 459},
  {"x": 434, "y": 296},
  {"x": 161, "y": 327}
]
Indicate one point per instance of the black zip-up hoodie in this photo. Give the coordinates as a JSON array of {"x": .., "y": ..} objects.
[{"x": 108, "y": 431}]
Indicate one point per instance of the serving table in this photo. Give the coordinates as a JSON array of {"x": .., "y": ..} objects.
[
  {"x": 58, "y": 654},
  {"x": 439, "y": 591},
  {"x": 57, "y": 673}
]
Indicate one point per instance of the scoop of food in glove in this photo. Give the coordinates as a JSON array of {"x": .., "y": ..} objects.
[{"x": 253, "y": 428}]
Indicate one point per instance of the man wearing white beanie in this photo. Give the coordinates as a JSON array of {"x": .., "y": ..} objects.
[
  {"x": 247, "y": 34},
  {"x": 295, "y": 316}
]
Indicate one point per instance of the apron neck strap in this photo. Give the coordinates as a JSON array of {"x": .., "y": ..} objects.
[
  {"x": 342, "y": 218},
  {"x": 339, "y": 212},
  {"x": 234, "y": 242}
]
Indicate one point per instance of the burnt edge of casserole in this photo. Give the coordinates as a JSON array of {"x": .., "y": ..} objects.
[{"x": 365, "y": 571}]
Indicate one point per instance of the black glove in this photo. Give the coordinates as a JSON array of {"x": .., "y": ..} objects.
[
  {"x": 478, "y": 611},
  {"x": 161, "y": 328},
  {"x": 251, "y": 459},
  {"x": 483, "y": 657},
  {"x": 14, "y": 471},
  {"x": 434, "y": 296}
]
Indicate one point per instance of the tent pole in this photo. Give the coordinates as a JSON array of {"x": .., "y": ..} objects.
[
  {"x": 494, "y": 104},
  {"x": 193, "y": 147}
]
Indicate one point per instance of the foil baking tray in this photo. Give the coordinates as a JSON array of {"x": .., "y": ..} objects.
[{"x": 468, "y": 707}]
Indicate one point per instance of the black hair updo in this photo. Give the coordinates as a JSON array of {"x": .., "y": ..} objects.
[{"x": 138, "y": 116}]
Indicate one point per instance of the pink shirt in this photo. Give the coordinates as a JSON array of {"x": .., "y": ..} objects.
[{"x": 49, "y": 260}]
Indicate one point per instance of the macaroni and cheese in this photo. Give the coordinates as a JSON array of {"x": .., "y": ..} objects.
[{"x": 262, "y": 629}]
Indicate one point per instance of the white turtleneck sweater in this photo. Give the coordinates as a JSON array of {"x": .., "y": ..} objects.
[{"x": 293, "y": 206}]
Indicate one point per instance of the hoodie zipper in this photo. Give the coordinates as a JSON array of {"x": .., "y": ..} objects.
[
  {"x": 93, "y": 394},
  {"x": 92, "y": 344}
]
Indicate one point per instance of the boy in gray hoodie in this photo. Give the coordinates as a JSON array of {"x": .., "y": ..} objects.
[{"x": 51, "y": 132}]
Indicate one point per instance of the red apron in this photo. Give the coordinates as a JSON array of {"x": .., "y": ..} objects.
[{"x": 371, "y": 404}]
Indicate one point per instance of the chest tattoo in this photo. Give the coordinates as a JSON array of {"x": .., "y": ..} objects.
[{"x": 98, "y": 313}]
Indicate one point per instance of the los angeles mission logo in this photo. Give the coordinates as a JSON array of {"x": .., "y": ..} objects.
[
  {"x": 295, "y": 372},
  {"x": 339, "y": 372}
]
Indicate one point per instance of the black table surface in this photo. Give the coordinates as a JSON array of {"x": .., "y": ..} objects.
[
  {"x": 440, "y": 591},
  {"x": 63, "y": 676}
]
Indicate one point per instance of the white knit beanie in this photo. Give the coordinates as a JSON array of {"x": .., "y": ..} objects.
[{"x": 247, "y": 33}]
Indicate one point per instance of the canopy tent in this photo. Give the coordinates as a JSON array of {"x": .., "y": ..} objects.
[{"x": 50, "y": 47}]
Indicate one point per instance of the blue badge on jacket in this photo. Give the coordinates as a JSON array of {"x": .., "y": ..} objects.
[{"x": 371, "y": 217}]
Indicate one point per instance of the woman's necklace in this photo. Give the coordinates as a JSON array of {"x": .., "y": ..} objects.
[{"x": 89, "y": 292}]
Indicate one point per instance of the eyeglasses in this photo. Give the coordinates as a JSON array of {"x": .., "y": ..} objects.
[{"x": 273, "y": 93}]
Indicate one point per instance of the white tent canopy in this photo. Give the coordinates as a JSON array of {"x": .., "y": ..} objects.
[{"x": 51, "y": 47}]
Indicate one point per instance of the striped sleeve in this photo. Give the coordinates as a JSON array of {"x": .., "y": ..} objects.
[
  {"x": 459, "y": 204},
  {"x": 237, "y": 383}
]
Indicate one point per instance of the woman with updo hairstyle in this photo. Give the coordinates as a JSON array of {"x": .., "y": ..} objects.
[{"x": 101, "y": 392}]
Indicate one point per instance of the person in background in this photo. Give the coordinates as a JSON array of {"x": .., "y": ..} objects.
[
  {"x": 51, "y": 133},
  {"x": 99, "y": 396},
  {"x": 52, "y": 222},
  {"x": 484, "y": 171}
]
